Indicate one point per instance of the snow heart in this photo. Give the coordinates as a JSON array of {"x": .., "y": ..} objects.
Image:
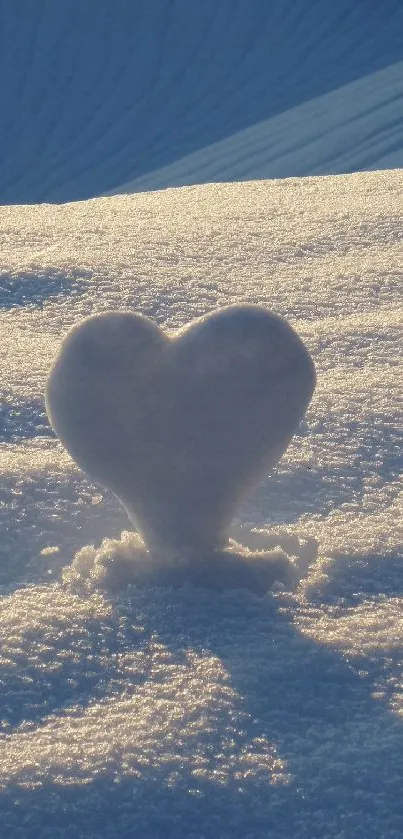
[{"x": 180, "y": 427}]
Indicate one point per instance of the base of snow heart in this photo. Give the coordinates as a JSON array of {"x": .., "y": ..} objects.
[
  {"x": 272, "y": 558},
  {"x": 180, "y": 427}
]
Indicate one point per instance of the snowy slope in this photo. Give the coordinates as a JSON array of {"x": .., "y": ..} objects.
[
  {"x": 150, "y": 711},
  {"x": 100, "y": 94},
  {"x": 358, "y": 126}
]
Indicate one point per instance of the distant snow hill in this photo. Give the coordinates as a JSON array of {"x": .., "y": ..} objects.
[{"x": 102, "y": 97}]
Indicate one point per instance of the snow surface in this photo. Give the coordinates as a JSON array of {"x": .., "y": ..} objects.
[
  {"x": 153, "y": 711},
  {"x": 170, "y": 92}
]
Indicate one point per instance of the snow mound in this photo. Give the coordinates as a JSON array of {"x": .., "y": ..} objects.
[{"x": 270, "y": 559}]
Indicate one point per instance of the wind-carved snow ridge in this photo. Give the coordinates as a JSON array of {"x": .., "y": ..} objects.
[{"x": 180, "y": 428}]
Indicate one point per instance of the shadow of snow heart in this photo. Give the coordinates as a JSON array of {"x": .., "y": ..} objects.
[
  {"x": 63, "y": 657},
  {"x": 226, "y": 711}
]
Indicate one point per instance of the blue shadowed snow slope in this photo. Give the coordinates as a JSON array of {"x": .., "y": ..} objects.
[{"x": 95, "y": 95}]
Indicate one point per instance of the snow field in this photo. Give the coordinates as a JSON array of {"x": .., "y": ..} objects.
[{"x": 187, "y": 712}]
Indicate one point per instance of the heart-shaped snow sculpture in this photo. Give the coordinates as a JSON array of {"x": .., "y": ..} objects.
[{"x": 180, "y": 427}]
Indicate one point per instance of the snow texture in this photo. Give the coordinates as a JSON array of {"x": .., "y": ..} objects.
[
  {"x": 157, "y": 710},
  {"x": 169, "y": 92}
]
